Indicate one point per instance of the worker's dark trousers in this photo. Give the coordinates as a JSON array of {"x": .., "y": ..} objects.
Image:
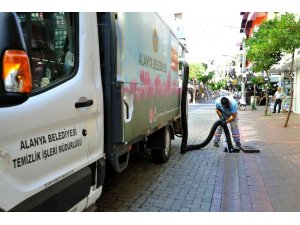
[{"x": 277, "y": 102}]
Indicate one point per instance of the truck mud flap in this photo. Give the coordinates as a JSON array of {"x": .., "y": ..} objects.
[{"x": 98, "y": 172}]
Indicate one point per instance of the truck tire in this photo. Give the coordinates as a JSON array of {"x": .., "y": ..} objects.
[{"x": 162, "y": 155}]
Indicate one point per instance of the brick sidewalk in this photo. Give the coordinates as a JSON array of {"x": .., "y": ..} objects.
[{"x": 269, "y": 180}]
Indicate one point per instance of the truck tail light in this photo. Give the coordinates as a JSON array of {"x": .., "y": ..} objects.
[{"x": 16, "y": 72}]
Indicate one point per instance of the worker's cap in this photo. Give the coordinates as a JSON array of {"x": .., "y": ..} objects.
[{"x": 225, "y": 102}]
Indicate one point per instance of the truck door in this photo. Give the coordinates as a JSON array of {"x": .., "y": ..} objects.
[{"x": 48, "y": 142}]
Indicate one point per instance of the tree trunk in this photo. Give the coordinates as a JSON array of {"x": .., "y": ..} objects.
[
  {"x": 267, "y": 93},
  {"x": 290, "y": 109},
  {"x": 205, "y": 91},
  {"x": 194, "y": 94},
  {"x": 292, "y": 91}
]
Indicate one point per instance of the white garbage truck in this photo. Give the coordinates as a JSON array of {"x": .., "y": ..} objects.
[{"x": 79, "y": 91}]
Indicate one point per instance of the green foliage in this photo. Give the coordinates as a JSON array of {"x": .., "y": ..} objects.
[
  {"x": 264, "y": 48},
  {"x": 288, "y": 32},
  {"x": 196, "y": 71},
  {"x": 257, "y": 80},
  {"x": 206, "y": 78},
  {"x": 281, "y": 34},
  {"x": 218, "y": 85},
  {"x": 271, "y": 87}
]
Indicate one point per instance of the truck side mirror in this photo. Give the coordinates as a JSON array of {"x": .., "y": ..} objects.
[{"x": 15, "y": 78}]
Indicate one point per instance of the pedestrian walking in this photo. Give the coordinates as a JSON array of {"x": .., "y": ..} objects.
[
  {"x": 278, "y": 97},
  {"x": 226, "y": 108}
]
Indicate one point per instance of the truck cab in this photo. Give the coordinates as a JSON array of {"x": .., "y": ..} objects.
[{"x": 53, "y": 133}]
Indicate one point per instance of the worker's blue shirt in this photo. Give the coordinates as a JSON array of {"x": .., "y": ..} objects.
[{"x": 226, "y": 112}]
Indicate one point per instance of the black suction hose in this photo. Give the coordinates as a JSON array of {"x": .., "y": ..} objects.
[
  {"x": 210, "y": 136},
  {"x": 184, "y": 124},
  {"x": 230, "y": 148},
  {"x": 208, "y": 139},
  {"x": 184, "y": 148}
]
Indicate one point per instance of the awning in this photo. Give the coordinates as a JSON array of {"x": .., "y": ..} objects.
[
  {"x": 259, "y": 17},
  {"x": 256, "y": 19},
  {"x": 250, "y": 20}
]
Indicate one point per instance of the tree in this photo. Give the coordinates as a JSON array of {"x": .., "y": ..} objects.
[
  {"x": 195, "y": 72},
  {"x": 256, "y": 81},
  {"x": 205, "y": 79},
  {"x": 264, "y": 51},
  {"x": 288, "y": 35}
]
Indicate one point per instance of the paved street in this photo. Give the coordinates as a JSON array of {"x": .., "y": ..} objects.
[{"x": 212, "y": 180}]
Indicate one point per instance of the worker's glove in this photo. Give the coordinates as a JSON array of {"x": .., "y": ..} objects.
[{"x": 223, "y": 121}]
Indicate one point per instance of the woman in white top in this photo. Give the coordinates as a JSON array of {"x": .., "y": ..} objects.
[{"x": 278, "y": 96}]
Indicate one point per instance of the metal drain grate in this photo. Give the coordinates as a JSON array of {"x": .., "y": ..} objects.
[{"x": 250, "y": 149}]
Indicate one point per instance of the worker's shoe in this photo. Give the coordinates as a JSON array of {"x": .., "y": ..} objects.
[
  {"x": 216, "y": 144},
  {"x": 238, "y": 144}
]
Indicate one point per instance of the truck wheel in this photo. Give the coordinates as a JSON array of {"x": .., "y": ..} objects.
[{"x": 162, "y": 155}]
